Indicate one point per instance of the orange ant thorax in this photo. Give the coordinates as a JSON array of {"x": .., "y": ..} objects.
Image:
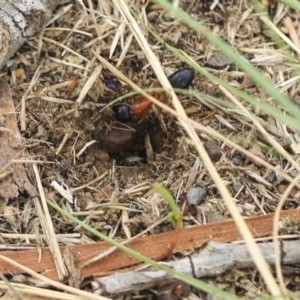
[{"x": 141, "y": 106}]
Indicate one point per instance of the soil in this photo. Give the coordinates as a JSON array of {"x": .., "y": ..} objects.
[{"x": 138, "y": 155}]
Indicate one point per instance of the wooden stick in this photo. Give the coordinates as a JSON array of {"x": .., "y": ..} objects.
[{"x": 151, "y": 246}]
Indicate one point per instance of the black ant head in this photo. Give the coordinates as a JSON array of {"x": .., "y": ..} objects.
[{"x": 122, "y": 113}]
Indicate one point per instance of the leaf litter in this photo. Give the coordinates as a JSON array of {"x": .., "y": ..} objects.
[{"x": 109, "y": 167}]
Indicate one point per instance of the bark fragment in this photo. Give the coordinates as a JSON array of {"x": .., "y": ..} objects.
[
  {"x": 15, "y": 177},
  {"x": 20, "y": 19}
]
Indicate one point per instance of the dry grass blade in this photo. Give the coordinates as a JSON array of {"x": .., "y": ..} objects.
[
  {"x": 101, "y": 52},
  {"x": 92, "y": 79},
  {"x": 11, "y": 288},
  {"x": 210, "y": 166},
  {"x": 151, "y": 57},
  {"x": 48, "y": 228},
  {"x": 6, "y": 172},
  {"x": 82, "y": 150},
  {"x": 69, "y": 29},
  {"x": 271, "y": 140},
  {"x": 65, "y": 47},
  {"x": 52, "y": 99},
  {"x": 30, "y": 161},
  {"x": 275, "y": 233},
  {"x": 275, "y": 29},
  {"x": 118, "y": 36},
  {"x": 112, "y": 249},
  {"x": 90, "y": 183},
  {"x": 63, "y": 142},
  {"x": 156, "y": 247},
  {"x": 29, "y": 292},
  {"x": 126, "y": 48},
  {"x": 34, "y": 80},
  {"x": 59, "y": 61},
  {"x": 94, "y": 17},
  {"x": 70, "y": 237},
  {"x": 196, "y": 125},
  {"x": 62, "y": 11},
  {"x": 253, "y": 248},
  {"x": 53, "y": 283}
]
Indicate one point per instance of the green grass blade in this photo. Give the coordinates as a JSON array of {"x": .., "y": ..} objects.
[
  {"x": 189, "y": 280},
  {"x": 215, "y": 40},
  {"x": 174, "y": 215}
]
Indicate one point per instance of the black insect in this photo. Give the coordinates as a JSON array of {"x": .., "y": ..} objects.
[
  {"x": 182, "y": 79},
  {"x": 111, "y": 83},
  {"x": 122, "y": 113},
  {"x": 136, "y": 64}
]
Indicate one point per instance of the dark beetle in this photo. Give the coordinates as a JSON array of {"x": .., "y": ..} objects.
[{"x": 182, "y": 79}]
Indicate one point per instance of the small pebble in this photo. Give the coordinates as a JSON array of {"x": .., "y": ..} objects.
[
  {"x": 218, "y": 60},
  {"x": 78, "y": 41},
  {"x": 240, "y": 208},
  {"x": 213, "y": 150},
  {"x": 237, "y": 186},
  {"x": 271, "y": 177},
  {"x": 116, "y": 141},
  {"x": 281, "y": 188},
  {"x": 216, "y": 216},
  {"x": 238, "y": 160},
  {"x": 195, "y": 195},
  {"x": 20, "y": 73},
  {"x": 103, "y": 156}
]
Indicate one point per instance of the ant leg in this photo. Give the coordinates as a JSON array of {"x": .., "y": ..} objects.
[
  {"x": 163, "y": 98},
  {"x": 162, "y": 123}
]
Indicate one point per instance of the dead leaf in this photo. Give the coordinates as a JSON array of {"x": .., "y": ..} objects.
[
  {"x": 246, "y": 83},
  {"x": 257, "y": 152},
  {"x": 104, "y": 193}
]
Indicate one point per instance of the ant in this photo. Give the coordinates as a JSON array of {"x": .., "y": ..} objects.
[{"x": 139, "y": 110}]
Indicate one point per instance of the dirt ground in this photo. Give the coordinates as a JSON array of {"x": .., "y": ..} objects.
[{"x": 137, "y": 156}]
